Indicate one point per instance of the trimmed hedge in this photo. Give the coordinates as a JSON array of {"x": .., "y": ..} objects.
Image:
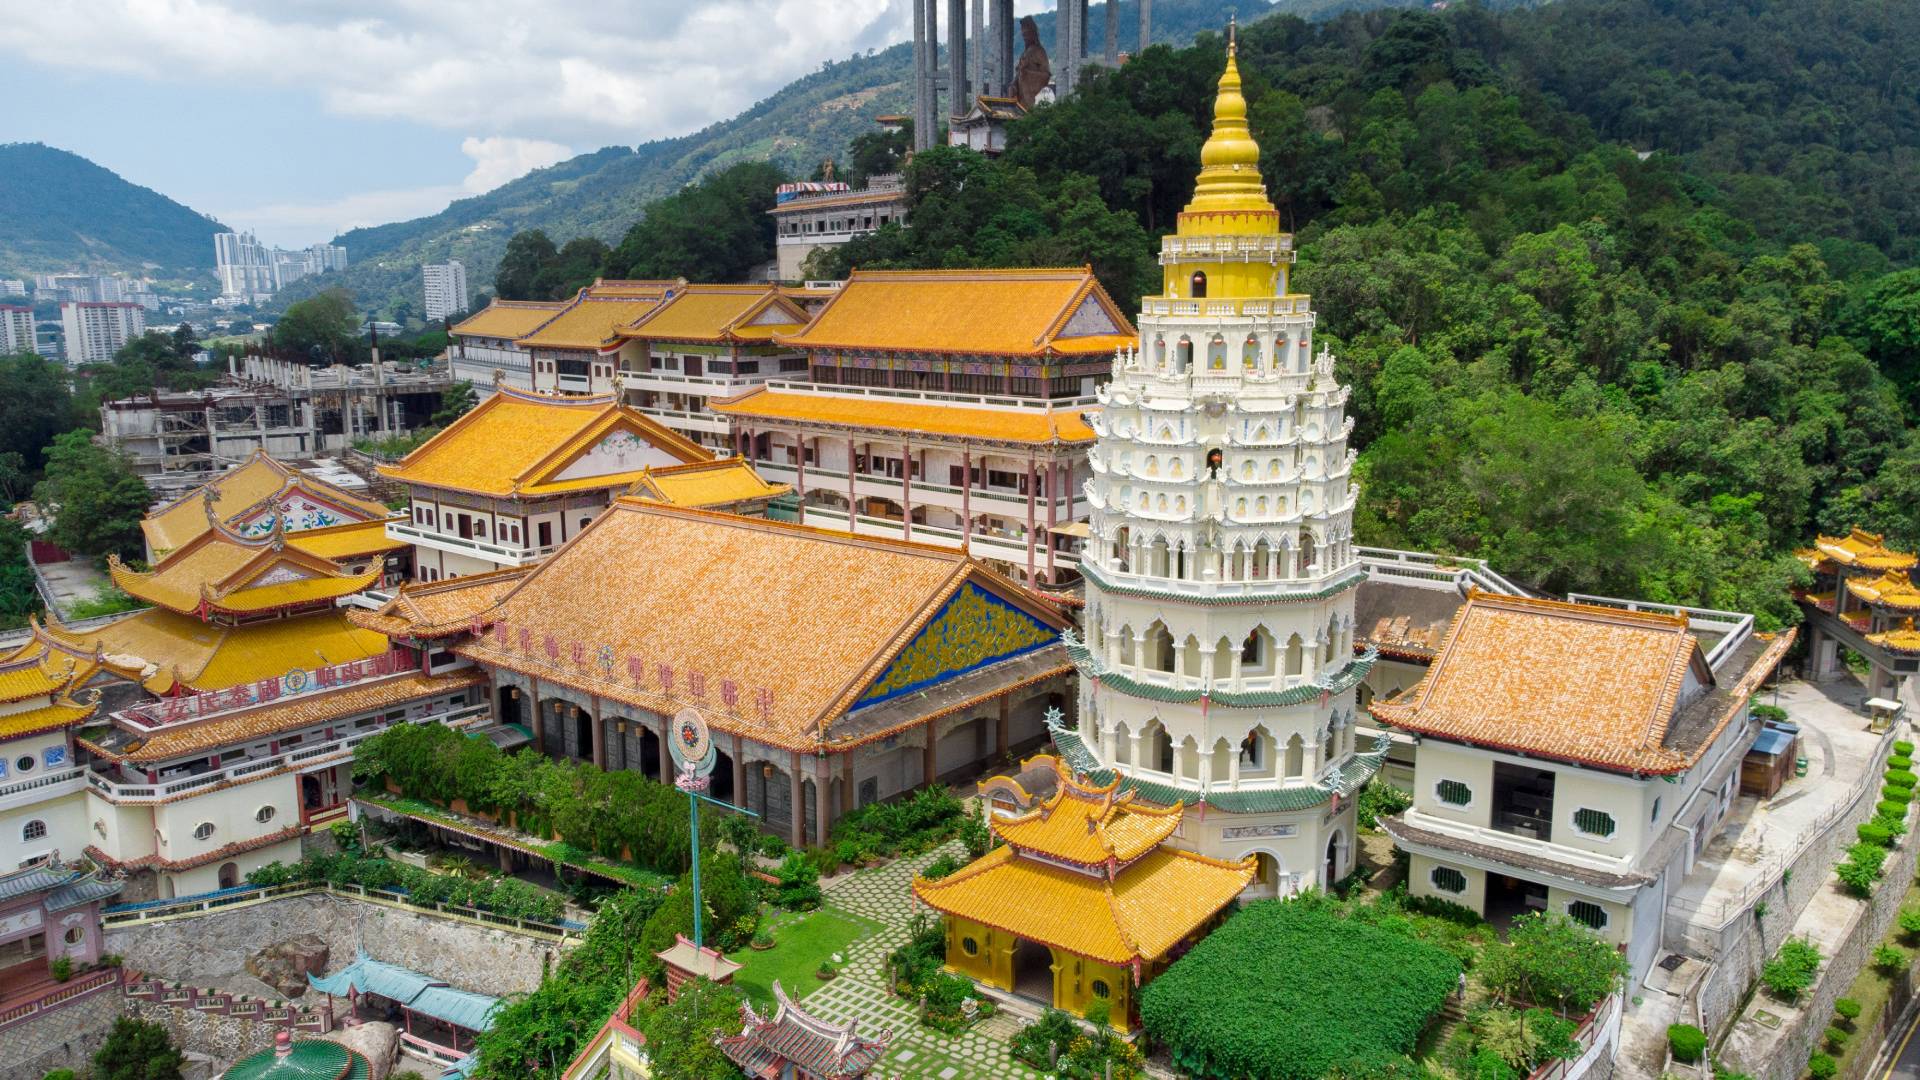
[
  {"x": 1348, "y": 993},
  {"x": 1892, "y": 809},
  {"x": 1901, "y": 778},
  {"x": 1686, "y": 1041},
  {"x": 1874, "y": 833},
  {"x": 1895, "y": 793},
  {"x": 1900, "y": 761},
  {"x": 1903, "y": 747}
]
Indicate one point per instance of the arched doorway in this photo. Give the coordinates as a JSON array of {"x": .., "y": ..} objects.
[
  {"x": 310, "y": 796},
  {"x": 582, "y": 734},
  {"x": 650, "y": 753},
  {"x": 722, "y": 788},
  {"x": 1335, "y": 847},
  {"x": 1033, "y": 971},
  {"x": 508, "y": 706},
  {"x": 1269, "y": 876},
  {"x": 229, "y": 875}
]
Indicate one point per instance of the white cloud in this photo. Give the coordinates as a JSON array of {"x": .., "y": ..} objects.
[
  {"x": 500, "y": 158},
  {"x": 617, "y": 71},
  {"x": 297, "y": 224}
]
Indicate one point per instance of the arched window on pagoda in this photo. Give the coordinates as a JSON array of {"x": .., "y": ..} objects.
[
  {"x": 1296, "y": 655},
  {"x": 1296, "y": 756},
  {"x": 1198, "y": 284}
]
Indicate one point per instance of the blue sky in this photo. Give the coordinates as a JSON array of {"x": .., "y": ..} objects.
[{"x": 302, "y": 118}]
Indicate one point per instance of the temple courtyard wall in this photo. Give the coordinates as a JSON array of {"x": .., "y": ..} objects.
[{"x": 59, "y": 1038}]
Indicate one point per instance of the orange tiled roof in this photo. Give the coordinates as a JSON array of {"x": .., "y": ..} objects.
[
  {"x": 700, "y": 484},
  {"x": 517, "y": 443},
  {"x": 1572, "y": 681},
  {"x": 595, "y": 315},
  {"x": 162, "y": 649},
  {"x": 711, "y": 313},
  {"x": 240, "y": 493},
  {"x": 1028, "y": 313},
  {"x": 1894, "y": 589},
  {"x": 689, "y": 592},
  {"x": 1139, "y": 914},
  {"x": 221, "y": 571},
  {"x": 291, "y": 715},
  {"x": 439, "y": 608},
  {"x": 508, "y": 319},
  {"x": 1089, "y": 825},
  {"x": 1032, "y": 426}
]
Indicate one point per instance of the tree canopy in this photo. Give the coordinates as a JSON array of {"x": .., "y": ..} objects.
[
  {"x": 717, "y": 230},
  {"x": 95, "y": 497},
  {"x": 319, "y": 327}
]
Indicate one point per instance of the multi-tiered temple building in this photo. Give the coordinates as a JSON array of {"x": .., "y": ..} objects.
[{"x": 1218, "y": 669}]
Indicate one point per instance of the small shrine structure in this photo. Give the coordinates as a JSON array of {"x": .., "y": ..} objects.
[
  {"x": 1863, "y": 597},
  {"x": 791, "y": 1045}
]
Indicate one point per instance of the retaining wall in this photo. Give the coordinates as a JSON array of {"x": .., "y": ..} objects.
[{"x": 60, "y": 1038}]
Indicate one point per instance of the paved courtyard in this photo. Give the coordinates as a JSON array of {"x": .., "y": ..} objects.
[{"x": 884, "y": 894}]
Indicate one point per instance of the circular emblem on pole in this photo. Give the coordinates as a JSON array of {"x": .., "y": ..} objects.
[{"x": 690, "y": 742}]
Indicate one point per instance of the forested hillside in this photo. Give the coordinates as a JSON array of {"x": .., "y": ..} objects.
[
  {"x": 1647, "y": 374},
  {"x": 59, "y": 211},
  {"x": 602, "y": 194}
]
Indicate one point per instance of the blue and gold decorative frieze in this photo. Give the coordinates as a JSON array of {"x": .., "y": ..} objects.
[{"x": 974, "y": 628}]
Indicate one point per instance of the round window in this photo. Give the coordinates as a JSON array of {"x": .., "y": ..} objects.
[
  {"x": 970, "y": 946},
  {"x": 25, "y": 763},
  {"x": 203, "y": 830},
  {"x": 1101, "y": 989},
  {"x": 74, "y": 935},
  {"x": 264, "y": 814}
]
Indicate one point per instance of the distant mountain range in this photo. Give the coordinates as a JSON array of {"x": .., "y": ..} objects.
[
  {"x": 60, "y": 211},
  {"x": 603, "y": 193}
]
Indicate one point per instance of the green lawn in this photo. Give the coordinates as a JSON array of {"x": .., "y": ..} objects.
[{"x": 801, "y": 942}]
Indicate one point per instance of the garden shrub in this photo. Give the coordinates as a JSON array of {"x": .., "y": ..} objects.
[
  {"x": 1890, "y": 959},
  {"x": 1862, "y": 869},
  {"x": 1901, "y": 778},
  {"x": 1900, "y": 762},
  {"x": 1099, "y": 1012},
  {"x": 1055, "y": 1045},
  {"x": 1885, "y": 807},
  {"x": 1902, "y": 746},
  {"x": 1836, "y": 1037},
  {"x": 1687, "y": 1042},
  {"x": 1791, "y": 970},
  {"x": 1487, "y": 1065},
  {"x": 1348, "y": 991},
  {"x": 1910, "y": 921},
  {"x": 1552, "y": 960},
  {"x": 1846, "y": 1009},
  {"x": 1041, "y": 1042},
  {"x": 1895, "y": 824},
  {"x": 940, "y": 867},
  {"x": 499, "y": 894},
  {"x": 975, "y": 834},
  {"x": 1896, "y": 793},
  {"x": 1768, "y": 712},
  {"x": 1873, "y": 833},
  {"x": 1380, "y": 799},
  {"x": 1525, "y": 1040},
  {"x": 1821, "y": 1066},
  {"x": 905, "y": 826},
  {"x": 799, "y": 888},
  {"x": 920, "y": 958}
]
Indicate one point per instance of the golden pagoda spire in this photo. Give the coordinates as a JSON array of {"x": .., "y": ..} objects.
[{"x": 1230, "y": 160}]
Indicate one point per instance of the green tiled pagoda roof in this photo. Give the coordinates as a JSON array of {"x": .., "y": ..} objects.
[
  {"x": 1344, "y": 781},
  {"x": 1353, "y": 580},
  {"x": 1345, "y": 679},
  {"x": 310, "y": 1059}
]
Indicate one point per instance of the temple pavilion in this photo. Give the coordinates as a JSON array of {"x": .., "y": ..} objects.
[
  {"x": 301, "y": 1059},
  {"x": 1084, "y": 899},
  {"x": 792, "y": 1045},
  {"x": 39, "y": 713},
  {"x": 262, "y": 494},
  {"x": 1863, "y": 597}
]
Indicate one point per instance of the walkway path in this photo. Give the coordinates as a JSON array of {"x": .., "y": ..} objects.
[{"x": 885, "y": 895}]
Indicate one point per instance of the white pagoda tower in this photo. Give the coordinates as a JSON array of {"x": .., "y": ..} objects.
[{"x": 1218, "y": 667}]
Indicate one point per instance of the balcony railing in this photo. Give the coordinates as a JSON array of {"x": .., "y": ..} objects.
[
  {"x": 413, "y": 534},
  {"x": 48, "y": 786},
  {"x": 932, "y": 397},
  {"x": 1295, "y": 304},
  {"x": 880, "y": 485}
]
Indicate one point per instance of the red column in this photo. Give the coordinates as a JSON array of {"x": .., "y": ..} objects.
[
  {"x": 906, "y": 491},
  {"x": 799, "y": 801},
  {"x": 1033, "y": 482},
  {"x": 800, "y": 476},
  {"x": 1053, "y": 504},
  {"x": 966, "y": 501},
  {"x": 850, "y": 495}
]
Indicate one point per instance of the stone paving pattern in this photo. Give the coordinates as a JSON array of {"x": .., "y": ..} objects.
[{"x": 885, "y": 895}]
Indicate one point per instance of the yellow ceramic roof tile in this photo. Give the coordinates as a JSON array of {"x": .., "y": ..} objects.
[
  {"x": 1903, "y": 638},
  {"x": 1572, "y": 681},
  {"x": 706, "y": 483},
  {"x": 291, "y": 715},
  {"x": 849, "y": 198},
  {"x": 686, "y": 593},
  {"x": 1151, "y": 906},
  {"x": 239, "y": 490},
  {"x": 1089, "y": 825},
  {"x": 590, "y": 323},
  {"x": 221, "y": 572},
  {"x": 63, "y": 713},
  {"x": 1891, "y": 589},
  {"x": 33, "y": 671},
  {"x": 1034, "y": 426},
  {"x": 642, "y": 289},
  {"x": 513, "y": 441},
  {"x": 438, "y": 608},
  {"x": 165, "y": 647},
  {"x": 342, "y": 542},
  {"x": 508, "y": 319},
  {"x": 977, "y": 312},
  {"x": 1862, "y": 548},
  {"x": 717, "y": 313}
]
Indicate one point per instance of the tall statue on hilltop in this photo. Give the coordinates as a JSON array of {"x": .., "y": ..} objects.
[{"x": 1033, "y": 71}]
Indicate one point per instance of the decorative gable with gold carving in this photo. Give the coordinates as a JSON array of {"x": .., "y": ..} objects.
[{"x": 973, "y": 629}]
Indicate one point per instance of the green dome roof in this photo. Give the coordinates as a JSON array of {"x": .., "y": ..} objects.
[{"x": 311, "y": 1059}]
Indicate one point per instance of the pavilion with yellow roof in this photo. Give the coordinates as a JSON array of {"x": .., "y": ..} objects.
[
  {"x": 1864, "y": 598},
  {"x": 569, "y": 351},
  {"x": 262, "y": 494},
  {"x": 522, "y": 473},
  {"x": 944, "y": 406},
  {"x": 42, "y": 704},
  {"x": 1085, "y": 899}
]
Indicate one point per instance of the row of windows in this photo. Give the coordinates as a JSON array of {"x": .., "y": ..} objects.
[
  {"x": 1449, "y": 880},
  {"x": 37, "y": 829},
  {"x": 1587, "y": 820}
]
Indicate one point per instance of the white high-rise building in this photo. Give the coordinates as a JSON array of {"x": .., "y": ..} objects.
[
  {"x": 446, "y": 287},
  {"x": 245, "y": 266},
  {"x": 12, "y": 287},
  {"x": 95, "y": 331},
  {"x": 1218, "y": 668},
  {"x": 16, "y": 330}
]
